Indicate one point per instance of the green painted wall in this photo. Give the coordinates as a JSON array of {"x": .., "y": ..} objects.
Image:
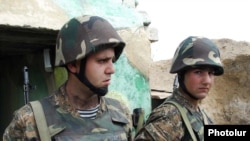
[
  {"x": 130, "y": 83},
  {"x": 118, "y": 14}
]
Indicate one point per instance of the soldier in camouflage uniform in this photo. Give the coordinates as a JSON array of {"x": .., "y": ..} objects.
[
  {"x": 87, "y": 46},
  {"x": 196, "y": 62}
]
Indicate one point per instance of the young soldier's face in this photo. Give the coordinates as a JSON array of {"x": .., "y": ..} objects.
[{"x": 199, "y": 81}]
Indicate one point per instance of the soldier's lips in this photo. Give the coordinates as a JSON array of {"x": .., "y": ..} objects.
[
  {"x": 204, "y": 89},
  {"x": 106, "y": 82}
]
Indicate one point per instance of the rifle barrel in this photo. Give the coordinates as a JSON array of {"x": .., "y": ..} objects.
[{"x": 26, "y": 86}]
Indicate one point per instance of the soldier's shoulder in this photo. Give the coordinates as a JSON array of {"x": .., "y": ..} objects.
[
  {"x": 25, "y": 110},
  {"x": 113, "y": 102},
  {"x": 164, "y": 112},
  {"x": 165, "y": 109}
]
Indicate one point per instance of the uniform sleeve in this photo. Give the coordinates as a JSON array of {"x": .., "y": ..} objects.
[
  {"x": 22, "y": 126},
  {"x": 164, "y": 124}
]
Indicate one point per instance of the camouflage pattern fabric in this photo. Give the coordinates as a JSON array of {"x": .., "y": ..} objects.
[
  {"x": 197, "y": 51},
  {"x": 23, "y": 125},
  {"x": 84, "y": 35},
  {"x": 165, "y": 122}
]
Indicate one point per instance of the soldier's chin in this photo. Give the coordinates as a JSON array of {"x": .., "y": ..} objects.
[{"x": 102, "y": 91}]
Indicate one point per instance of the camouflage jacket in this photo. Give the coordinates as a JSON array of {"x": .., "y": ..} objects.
[
  {"x": 165, "y": 122},
  {"x": 23, "y": 125}
]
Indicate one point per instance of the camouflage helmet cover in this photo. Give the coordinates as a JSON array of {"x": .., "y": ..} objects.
[
  {"x": 197, "y": 51},
  {"x": 84, "y": 35}
]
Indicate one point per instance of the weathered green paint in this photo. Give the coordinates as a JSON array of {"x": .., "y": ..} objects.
[
  {"x": 132, "y": 84},
  {"x": 60, "y": 76},
  {"x": 114, "y": 11}
]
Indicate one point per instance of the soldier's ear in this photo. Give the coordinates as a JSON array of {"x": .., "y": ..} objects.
[{"x": 73, "y": 67}]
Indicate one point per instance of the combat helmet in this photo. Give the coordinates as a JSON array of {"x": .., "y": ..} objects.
[
  {"x": 197, "y": 51},
  {"x": 84, "y": 35}
]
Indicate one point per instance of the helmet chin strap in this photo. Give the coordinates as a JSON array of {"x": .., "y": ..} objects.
[
  {"x": 182, "y": 85},
  {"x": 81, "y": 76}
]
